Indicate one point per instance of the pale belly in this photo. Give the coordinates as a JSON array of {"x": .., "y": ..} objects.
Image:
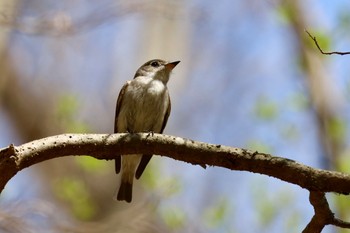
[{"x": 144, "y": 109}]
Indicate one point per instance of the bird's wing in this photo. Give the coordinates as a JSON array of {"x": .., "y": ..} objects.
[
  {"x": 118, "y": 159},
  {"x": 146, "y": 158},
  {"x": 166, "y": 116}
]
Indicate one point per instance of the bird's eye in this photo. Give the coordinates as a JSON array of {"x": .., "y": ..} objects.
[{"x": 154, "y": 64}]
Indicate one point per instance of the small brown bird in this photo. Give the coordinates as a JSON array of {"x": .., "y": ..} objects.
[{"x": 143, "y": 105}]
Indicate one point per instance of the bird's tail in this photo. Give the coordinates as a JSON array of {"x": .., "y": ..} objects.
[
  {"x": 129, "y": 164},
  {"x": 125, "y": 191}
]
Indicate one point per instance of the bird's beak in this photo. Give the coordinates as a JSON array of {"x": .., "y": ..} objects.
[{"x": 171, "y": 65}]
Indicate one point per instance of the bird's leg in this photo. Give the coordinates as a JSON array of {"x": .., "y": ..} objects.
[{"x": 150, "y": 133}]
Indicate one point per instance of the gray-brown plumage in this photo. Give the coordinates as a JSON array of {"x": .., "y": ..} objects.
[{"x": 143, "y": 105}]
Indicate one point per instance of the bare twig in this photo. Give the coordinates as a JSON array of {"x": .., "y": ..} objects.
[
  {"x": 319, "y": 48},
  {"x": 323, "y": 215}
]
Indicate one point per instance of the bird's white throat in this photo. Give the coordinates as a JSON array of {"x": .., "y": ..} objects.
[{"x": 156, "y": 87}]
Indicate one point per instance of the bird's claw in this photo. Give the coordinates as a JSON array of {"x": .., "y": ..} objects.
[{"x": 150, "y": 133}]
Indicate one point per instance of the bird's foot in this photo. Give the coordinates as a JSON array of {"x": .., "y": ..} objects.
[{"x": 150, "y": 133}]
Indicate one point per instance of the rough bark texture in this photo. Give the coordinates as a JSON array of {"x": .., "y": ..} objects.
[{"x": 106, "y": 146}]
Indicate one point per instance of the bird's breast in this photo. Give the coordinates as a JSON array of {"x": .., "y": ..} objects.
[
  {"x": 145, "y": 106},
  {"x": 156, "y": 88}
]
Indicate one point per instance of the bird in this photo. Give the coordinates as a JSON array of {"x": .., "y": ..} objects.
[{"x": 143, "y": 105}]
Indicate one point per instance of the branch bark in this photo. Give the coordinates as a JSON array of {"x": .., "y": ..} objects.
[
  {"x": 106, "y": 146},
  {"x": 323, "y": 215}
]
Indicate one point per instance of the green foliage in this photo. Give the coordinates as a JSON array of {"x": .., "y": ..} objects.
[
  {"x": 269, "y": 205},
  {"x": 268, "y": 211},
  {"x": 67, "y": 106},
  {"x": 290, "y": 131},
  {"x": 298, "y": 102},
  {"x": 266, "y": 109},
  {"x": 323, "y": 40},
  {"x": 342, "y": 207},
  {"x": 91, "y": 164},
  {"x": 174, "y": 217},
  {"x": 154, "y": 179},
  {"x": 259, "y": 146},
  {"x": 215, "y": 215},
  {"x": 76, "y": 194},
  {"x": 293, "y": 223},
  {"x": 343, "y": 162},
  {"x": 172, "y": 186},
  {"x": 150, "y": 175},
  {"x": 337, "y": 129},
  {"x": 67, "y": 114},
  {"x": 285, "y": 13}
]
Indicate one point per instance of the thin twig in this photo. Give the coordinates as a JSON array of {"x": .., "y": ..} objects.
[
  {"x": 319, "y": 48},
  {"x": 340, "y": 223}
]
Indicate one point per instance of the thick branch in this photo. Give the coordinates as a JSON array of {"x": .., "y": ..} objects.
[{"x": 104, "y": 146}]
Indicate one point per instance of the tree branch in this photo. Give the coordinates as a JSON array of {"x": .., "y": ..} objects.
[
  {"x": 319, "y": 48},
  {"x": 107, "y": 146},
  {"x": 323, "y": 214}
]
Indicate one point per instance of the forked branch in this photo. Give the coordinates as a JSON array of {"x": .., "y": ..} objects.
[{"x": 106, "y": 146}]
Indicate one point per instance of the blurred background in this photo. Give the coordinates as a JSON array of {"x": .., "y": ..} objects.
[{"x": 249, "y": 77}]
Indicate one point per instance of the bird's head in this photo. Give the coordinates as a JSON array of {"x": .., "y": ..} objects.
[{"x": 157, "y": 69}]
